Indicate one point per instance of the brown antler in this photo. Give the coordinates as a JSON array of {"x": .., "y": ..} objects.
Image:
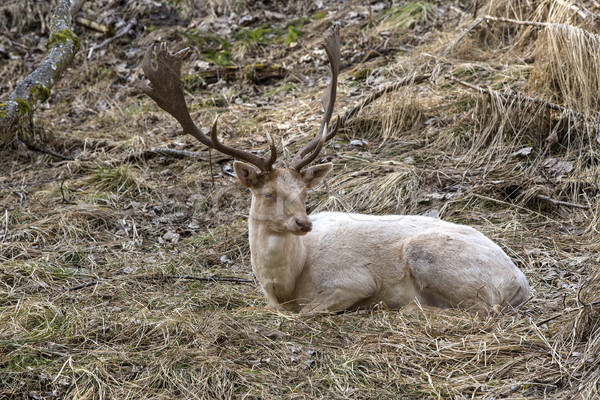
[
  {"x": 312, "y": 148},
  {"x": 167, "y": 92}
]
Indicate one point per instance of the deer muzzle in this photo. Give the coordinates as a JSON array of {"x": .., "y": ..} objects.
[{"x": 304, "y": 225}]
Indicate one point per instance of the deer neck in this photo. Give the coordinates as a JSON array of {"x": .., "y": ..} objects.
[{"x": 277, "y": 260}]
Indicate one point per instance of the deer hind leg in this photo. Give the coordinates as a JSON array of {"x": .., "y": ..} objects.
[{"x": 446, "y": 274}]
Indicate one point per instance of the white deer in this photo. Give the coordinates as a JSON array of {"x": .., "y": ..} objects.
[{"x": 334, "y": 261}]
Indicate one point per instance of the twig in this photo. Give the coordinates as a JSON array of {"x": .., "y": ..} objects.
[
  {"x": 33, "y": 147},
  {"x": 598, "y": 128},
  {"x": 462, "y": 35},
  {"x": 413, "y": 79},
  {"x": 84, "y": 285},
  {"x": 184, "y": 277},
  {"x": 210, "y": 164},
  {"x": 561, "y": 203},
  {"x": 201, "y": 278},
  {"x": 108, "y": 41},
  {"x": 107, "y": 30},
  {"x": 514, "y": 95},
  {"x": 521, "y": 22},
  {"x": 164, "y": 151},
  {"x": 175, "y": 153}
]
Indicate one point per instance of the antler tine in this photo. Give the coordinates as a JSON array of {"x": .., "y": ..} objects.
[
  {"x": 313, "y": 147},
  {"x": 167, "y": 92},
  {"x": 273, "y": 150}
]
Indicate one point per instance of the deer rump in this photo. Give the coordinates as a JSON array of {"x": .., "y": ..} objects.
[{"x": 359, "y": 260}]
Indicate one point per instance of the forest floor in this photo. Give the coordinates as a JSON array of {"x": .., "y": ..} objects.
[{"x": 113, "y": 252}]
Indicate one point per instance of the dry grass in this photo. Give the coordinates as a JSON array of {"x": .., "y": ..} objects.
[{"x": 96, "y": 252}]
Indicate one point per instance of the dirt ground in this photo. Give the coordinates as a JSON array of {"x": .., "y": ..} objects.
[{"x": 125, "y": 267}]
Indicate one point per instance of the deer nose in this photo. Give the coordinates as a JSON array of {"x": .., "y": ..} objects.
[{"x": 304, "y": 225}]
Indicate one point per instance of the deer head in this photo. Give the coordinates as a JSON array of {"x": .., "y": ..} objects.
[{"x": 278, "y": 194}]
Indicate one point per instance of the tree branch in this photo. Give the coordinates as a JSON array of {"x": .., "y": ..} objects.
[{"x": 63, "y": 44}]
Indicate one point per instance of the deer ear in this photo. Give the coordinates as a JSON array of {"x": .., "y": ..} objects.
[
  {"x": 247, "y": 174},
  {"x": 314, "y": 175}
]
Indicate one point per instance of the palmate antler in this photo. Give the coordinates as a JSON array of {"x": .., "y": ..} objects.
[{"x": 167, "y": 91}]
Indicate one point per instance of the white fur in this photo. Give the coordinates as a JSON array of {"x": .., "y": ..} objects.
[
  {"x": 351, "y": 260},
  {"x": 354, "y": 260}
]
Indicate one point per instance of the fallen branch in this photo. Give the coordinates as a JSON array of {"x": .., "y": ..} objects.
[
  {"x": 108, "y": 41},
  {"x": 63, "y": 44}
]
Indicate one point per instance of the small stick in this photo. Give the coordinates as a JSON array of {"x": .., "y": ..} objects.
[
  {"x": 84, "y": 285},
  {"x": 165, "y": 151},
  {"x": 185, "y": 277},
  {"x": 107, "y": 30},
  {"x": 34, "y": 147},
  {"x": 514, "y": 95},
  {"x": 598, "y": 128},
  {"x": 413, "y": 79},
  {"x": 108, "y": 41},
  {"x": 562, "y": 203},
  {"x": 462, "y": 35},
  {"x": 201, "y": 278},
  {"x": 521, "y": 22}
]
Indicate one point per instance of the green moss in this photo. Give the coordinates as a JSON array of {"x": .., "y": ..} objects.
[
  {"x": 61, "y": 37},
  {"x": 320, "y": 14},
  {"x": 44, "y": 92},
  {"x": 3, "y": 109},
  {"x": 362, "y": 73},
  {"x": 22, "y": 106}
]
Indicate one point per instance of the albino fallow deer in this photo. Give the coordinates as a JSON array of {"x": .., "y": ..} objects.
[{"x": 334, "y": 261}]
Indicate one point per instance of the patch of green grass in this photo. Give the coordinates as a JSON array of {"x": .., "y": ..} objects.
[
  {"x": 285, "y": 88},
  {"x": 18, "y": 217},
  {"x": 74, "y": 258},
  {"x": 120, "y": 179},
  {"x": 214, "y": 48},
  {"x": 192, "y": 83},
  {"x": 408, "y": 15},
  {"x": 293, "y": 34}
]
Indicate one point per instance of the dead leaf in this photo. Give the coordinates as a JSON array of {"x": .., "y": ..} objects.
[{"x": 525, "y": 151}]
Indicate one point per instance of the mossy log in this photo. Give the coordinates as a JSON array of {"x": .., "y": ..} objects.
[{"x": 63, "y": 44}]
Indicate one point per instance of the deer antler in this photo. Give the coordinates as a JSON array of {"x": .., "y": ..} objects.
[
  {"x": 312, "y": 148},
  {"x": 167, "y": 92}
]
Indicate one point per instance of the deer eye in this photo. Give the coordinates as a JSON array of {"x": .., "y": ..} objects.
[{"x": 269, "y": 196}]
